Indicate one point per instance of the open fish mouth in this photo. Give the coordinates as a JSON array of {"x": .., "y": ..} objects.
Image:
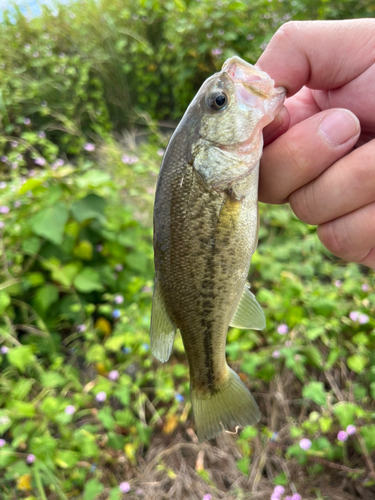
[{"x": 254, "y": 87}]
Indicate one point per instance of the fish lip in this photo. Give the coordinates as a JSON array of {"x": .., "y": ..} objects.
[{"x": 252, "y": 78}]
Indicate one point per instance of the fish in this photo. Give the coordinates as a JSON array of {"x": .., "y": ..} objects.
[{"x": 205, "y": 233}]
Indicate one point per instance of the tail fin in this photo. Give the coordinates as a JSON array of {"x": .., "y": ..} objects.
[{"x": 232, "y": 404}]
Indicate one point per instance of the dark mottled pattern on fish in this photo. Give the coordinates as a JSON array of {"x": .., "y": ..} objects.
[{"x": 203, "y": 255}]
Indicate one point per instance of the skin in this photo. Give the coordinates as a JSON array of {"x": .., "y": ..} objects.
[{"x": 326, "y": 173}]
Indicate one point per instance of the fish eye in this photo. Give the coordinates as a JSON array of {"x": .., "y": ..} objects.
[{"x": 217, "y": 101}]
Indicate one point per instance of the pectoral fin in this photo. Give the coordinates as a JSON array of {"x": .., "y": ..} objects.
[
  {"x": 249, "y": 313},
  {"x": 162, "y": 331}
]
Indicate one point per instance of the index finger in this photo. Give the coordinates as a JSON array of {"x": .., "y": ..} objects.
[{"x": 321, "y": 55}]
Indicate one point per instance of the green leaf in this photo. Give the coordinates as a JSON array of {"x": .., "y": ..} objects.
[
  {"x": 357, "y": 362},
  {"x": 21, "y": 356},
  {"x": 52, "y": 379},
  {"x": 93, "y": 488},
  {"x": 91, "y": 207},
  {"x": 93, "y": 178},
  {"x": 21, "y": 409},
  {"x": 66, "y": 458},
  {"x": 50, "y": 223},
  {"x": 46, "y": 296},
  {"x": 31, "y": 245},
  {"x": 368, "y": 434},
  {"x": 4, "y": 301},
  {"x": 243, "y": 465},
  {"x": 315, "y": 391},
  {"x": 29, "y": 185},
  {"x": 88, "y": 280},
  {"x": 106, "y": 418}
]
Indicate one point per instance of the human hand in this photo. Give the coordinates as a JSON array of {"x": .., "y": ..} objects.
[{"x": 309, "y": 159}]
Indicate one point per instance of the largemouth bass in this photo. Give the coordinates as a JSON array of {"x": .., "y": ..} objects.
[{"x": 205, "y": 232}]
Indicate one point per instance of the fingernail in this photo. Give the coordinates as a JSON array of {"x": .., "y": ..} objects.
[{"x": 339, "y": 126}]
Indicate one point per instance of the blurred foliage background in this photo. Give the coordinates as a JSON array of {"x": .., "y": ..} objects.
[{"x": 89, "y": 94}]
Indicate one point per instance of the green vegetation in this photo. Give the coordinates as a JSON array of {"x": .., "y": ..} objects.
[{"x": 86, "y": 412}]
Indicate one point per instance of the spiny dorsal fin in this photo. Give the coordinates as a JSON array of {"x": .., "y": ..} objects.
[
  {"x": 249, "y": 314},
  {"x": 162, "y": 331}
]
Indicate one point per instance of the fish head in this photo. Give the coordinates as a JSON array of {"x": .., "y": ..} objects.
[{"x": 233, "y": 107}]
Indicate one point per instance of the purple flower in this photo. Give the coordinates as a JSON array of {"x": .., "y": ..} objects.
[
  {"x": 101, "y": 396},
  {"x": 280, "y": 490},
  {"x": 99, "y": 248},
  {"x": 13, "y": 144},
  {"x": 27, "y": 121},
  {"x": 342, "y": 436},
  {"x": 4, "y": 210},
  {"x": 3, "y": 185},
  {"x": 288, "y": 343},
  {"x": 40, "y": 161},
  {"x": 113, "y": 375},
  {"x": 276, "y": 354},
  {"x": 275, "y": 496},
  {"x": 207, "y": 497},
  {"x": 119, "y": 299},
  {"x": 160, "y": 152},
  {"x": 14, "y": 165},
  {"x": 365, "y": 287},
  {"x": 305, "y": 444},
  {"x": 81, "y": 328},
  {"x": 31, "y": 173},
  {"x": 116, "y": 313},
  {"x": 338, "y": 283},
  {"x": 30, "y": 458},
  {"x": 179, "y": 398},
  {"x": 119, "y": 267},
  {"x": 42, "y": 134},
  {"x": 350, "y": 430},
  {"x": 4, "y": 349},
  {"x": 89, "y": 146},
  {"x": 129, "y": 160},
  {"x": 216, "y": 52},
  {"x": 353, "y": 315},
  {"x": 2, "y": 443},
  {"x": 363, "y": 319},
  {"x": 58, "y": 163},
  {"x": 296, "y": 496},
  {"x": 70, "y": 410},
  {"x": 17, "y": 204},
  {"x": 288, "y": 497},
  {"x": 282, "y": 329},
  {"x": 124, "y": 487},
  {"x": 4, "y": 159}
]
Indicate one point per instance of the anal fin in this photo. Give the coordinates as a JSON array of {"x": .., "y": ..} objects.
[
  {"x": 249, "y": 314},
  {"x": 162, "y": 331}
]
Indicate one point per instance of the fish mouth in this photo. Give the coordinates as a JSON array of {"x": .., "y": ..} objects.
[{"x": 254, "y": 87}]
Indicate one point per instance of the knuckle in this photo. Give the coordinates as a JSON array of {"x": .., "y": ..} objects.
[
  {"x": 334, "y": 238},
  {"x": 289, "y": 29},
  {"x": 339, "y": 240},
  {"x": 302, "y": 204}
]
